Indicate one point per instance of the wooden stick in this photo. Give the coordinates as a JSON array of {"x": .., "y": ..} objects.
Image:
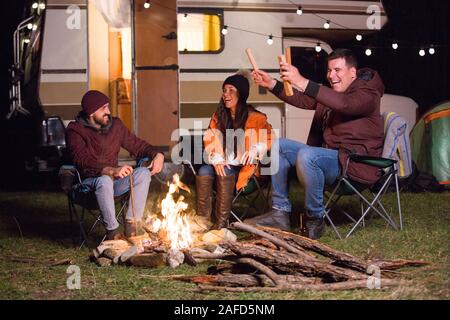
[
  {"x": 277, "y": 241},
  {"x": 251, "y": 58},
  {"x": 287, "y": 85}
]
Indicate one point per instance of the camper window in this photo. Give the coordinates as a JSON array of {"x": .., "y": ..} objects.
[{"x": 200, "y": 32}]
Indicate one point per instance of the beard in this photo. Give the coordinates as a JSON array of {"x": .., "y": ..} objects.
[{"x": 102, "y": 121}]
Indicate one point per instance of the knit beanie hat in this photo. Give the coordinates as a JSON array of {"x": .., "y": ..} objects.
[
  {"x": 240, "y": 83},
  {"x": 92, "y": 101}
]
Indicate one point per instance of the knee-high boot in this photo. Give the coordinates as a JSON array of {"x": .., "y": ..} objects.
[
  {"x": 204, "y": 187},
  {"x": 224, "y": 197}
]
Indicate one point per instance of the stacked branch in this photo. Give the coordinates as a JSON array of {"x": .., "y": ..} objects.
[{"x": 279, "y": 260}]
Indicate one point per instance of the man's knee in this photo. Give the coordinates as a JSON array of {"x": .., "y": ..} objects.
[
  {"x": 104, "y": 182},
  {"x": 304, "y": 157},
  {"x": 142, "y": 174}
]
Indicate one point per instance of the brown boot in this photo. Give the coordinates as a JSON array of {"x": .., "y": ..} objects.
[
  {"x": 224, "y": 197},
  {"x": 203, "y": 187}
]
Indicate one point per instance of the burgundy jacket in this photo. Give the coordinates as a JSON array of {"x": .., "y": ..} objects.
[
  {"x": 349, "y": 122},
  {"x": 93, "y": 149}
]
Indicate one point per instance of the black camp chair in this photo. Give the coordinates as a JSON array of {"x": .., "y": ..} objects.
[
  {"x": 81, "y": 200},
  {"x": 346, "y": 187}
]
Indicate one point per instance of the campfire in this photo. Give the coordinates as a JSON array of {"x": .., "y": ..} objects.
[{"x": 269, "y": 261}]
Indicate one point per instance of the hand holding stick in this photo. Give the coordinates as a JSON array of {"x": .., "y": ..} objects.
[{"x": 287, "y": 85}]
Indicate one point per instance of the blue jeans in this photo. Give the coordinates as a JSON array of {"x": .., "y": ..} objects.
[
  {"x": 106, "y": 189},
  {"x": 208, "y": 170},
  {"x": 315, "y": 168}
]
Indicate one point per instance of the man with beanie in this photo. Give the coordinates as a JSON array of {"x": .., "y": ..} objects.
[
  {"x": 346, "y": 120},
  {"x": 94, "y": 140}
]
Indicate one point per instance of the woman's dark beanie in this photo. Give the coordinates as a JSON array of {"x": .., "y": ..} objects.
[
  {"x": 240, "y": 83},
  {"x": 92, "y": 101}
]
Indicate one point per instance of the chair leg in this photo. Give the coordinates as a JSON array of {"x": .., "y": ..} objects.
[{"x": 397, "y": 191}]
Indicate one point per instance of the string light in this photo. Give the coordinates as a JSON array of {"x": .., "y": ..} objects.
[
  {"x": 326, "y": 25},
  {"x": 318, "y": 47},
  {"x": 42, "y": 6},
  {"x": 34, "y": 27},
  {"x": 184, "y": 19},
  {"x": 34, "y": 5},
  {"x": 368, "y": 52},
  {"x": 26, "y": 40},
  {"x": 29, "y": 26},
  {"x": 270, "y": 40},
  {"x": 299, "y": 10},
  {"x": 421, "y": 52},
  {"x": 395, "y": 45},
  {"x": 431, "y": 50},
  {"x": 358, "y": 37},
  {"x": 147, "y": 4},
  {"x": 225, "y": 30}
]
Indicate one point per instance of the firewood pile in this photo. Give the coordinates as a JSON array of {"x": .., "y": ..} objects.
[
  {"x": 278, "y": 260},
  {"x": 273, "y": 260}
]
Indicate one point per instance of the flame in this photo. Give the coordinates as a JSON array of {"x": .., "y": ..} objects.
[{"x": 174, "y": 226}]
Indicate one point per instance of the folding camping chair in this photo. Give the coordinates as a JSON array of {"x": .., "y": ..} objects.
[
  {"x": 251, "y": 193},
  {"x": 344, "y": 187},
  {"x": 82, "y": 196}
]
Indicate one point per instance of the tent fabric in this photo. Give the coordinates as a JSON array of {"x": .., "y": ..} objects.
[{"x": 430, "y": 143}]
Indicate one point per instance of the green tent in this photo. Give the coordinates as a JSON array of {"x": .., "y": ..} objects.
[{"x": 430, "y": 143}]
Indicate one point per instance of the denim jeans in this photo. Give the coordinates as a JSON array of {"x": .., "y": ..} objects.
[
  {"x": 208, "y": 170},
  {"x": 106, "y": 189},
  {"x": 315, "y": 168}
]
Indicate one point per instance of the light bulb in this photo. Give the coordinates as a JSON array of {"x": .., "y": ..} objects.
[
  {"x": 431, "y": 50},
  {"x": 42, "y": 6},
  {"x": 326, "y": 25},
  {"x": 185, "y": 17},
  {"x": 270, "y": 40},
  {"x": 146, "y": 5},
  {"x": 318, "y": 47},
  {"x": 299, "y": 10},
  {"x": 35, "y": 5},
  {"x": 30, "y": 26},
  {"x": 34, "y": 27},
  {"x": 26, "y": 40},
  {"x": 395, "y": 45},
  {"x": 368, "y": 52},
  {"x": 358, "y": 37},
  {"x": 421, "y": 52},
  {"x": 224, "y": 30}
]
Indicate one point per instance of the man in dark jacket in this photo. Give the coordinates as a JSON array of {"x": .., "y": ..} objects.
[
  {"x": 347, "y": 120},
  {"x": 94, "y": 140}
]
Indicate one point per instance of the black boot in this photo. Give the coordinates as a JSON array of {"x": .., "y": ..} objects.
[
  {"x": 113, "y": 234},
  {"x": 133, "y": 228},
  {"x": 274, "y": 219},
  {"x": 224, "y": 197},
  {"x": 204, "y": 186},
  {"x": 314, "y": 226}
]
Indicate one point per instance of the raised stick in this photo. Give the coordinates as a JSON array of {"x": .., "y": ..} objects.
[
  {"x": 251, "y": 58},
  {"x": 287, "y": 85}
]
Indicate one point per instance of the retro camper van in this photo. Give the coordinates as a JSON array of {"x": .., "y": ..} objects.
[{"x": 162, "y": 62}]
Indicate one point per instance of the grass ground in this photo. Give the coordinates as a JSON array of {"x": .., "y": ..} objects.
[{"x": 35, "y": 225}]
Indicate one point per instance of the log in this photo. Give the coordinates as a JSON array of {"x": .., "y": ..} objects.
[
  {"x": 148, "y": 260},
  {"x": 246, "y": 280},
  {"x": 286, "y": 262},
  {"x": 340, "y": 258},
  {"x": 263, "y": 269},
  {"x": 279, "y": 242},
  {"x": 346, "y": 285}
]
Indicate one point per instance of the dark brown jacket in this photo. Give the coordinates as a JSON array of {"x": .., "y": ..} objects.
[
  {"x": 349, "y": 122},
  {"x": 92, "y": 149}
]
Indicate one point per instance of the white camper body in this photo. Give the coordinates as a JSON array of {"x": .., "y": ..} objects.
[{"x": 79, "y": 58}]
